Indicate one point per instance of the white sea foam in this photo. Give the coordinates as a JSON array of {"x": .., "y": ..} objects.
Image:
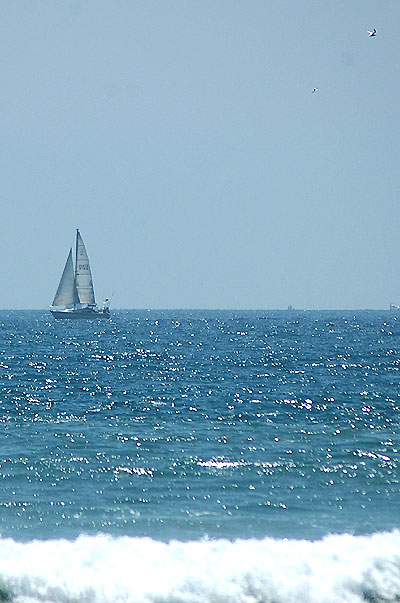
[{"x": 340, "y": 568}]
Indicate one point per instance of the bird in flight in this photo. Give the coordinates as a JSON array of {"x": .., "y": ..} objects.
[
  {"x": 315, "y": 90},
  {"x": 372, "y": 33}
]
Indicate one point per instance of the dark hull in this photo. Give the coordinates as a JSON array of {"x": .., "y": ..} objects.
[{"x": 80, "y": 314}]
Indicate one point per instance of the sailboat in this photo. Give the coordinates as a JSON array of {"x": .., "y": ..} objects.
[{"x": 74, "y": 298}]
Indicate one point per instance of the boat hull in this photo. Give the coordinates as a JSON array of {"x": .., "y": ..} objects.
[{"x": 80, "y": 314}]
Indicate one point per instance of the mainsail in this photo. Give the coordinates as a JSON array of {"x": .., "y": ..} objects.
[
  {"x": 83, "y": 274},
  {"x": 67, "y": 294}
]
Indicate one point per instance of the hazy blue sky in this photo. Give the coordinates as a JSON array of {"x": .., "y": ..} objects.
[{"x": 183, "y": 139}]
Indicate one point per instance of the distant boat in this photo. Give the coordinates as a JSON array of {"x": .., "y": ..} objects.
[
  {"x": 394, "y": 307},
  {"x": 74, "y": 298}
]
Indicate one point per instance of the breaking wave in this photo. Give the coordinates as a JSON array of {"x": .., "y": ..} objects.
[{"x": 93, "y": 569}]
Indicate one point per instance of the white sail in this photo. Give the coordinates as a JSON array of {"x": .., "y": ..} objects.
[
  {"x": 66, "y": 294},
  {"x": 83, "y": 274}
]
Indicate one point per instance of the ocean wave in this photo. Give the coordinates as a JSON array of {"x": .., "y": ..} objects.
[{"x": 102, "y": 569}]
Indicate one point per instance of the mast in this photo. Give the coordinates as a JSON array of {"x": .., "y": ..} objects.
[{"x": 76, "y": 257}]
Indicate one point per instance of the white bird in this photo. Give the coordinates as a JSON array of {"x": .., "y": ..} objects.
[
  {"x": 372, "y": 33},
  {"x": 315, "y": 90}
]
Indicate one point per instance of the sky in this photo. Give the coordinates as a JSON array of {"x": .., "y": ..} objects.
[{"x": 183, "y": 139}]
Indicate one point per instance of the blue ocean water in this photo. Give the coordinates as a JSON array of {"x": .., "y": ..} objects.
[{"x": 190, "y": 456}]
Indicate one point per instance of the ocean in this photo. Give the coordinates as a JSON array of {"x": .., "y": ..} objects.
[{"x": 200, "y": 456}]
